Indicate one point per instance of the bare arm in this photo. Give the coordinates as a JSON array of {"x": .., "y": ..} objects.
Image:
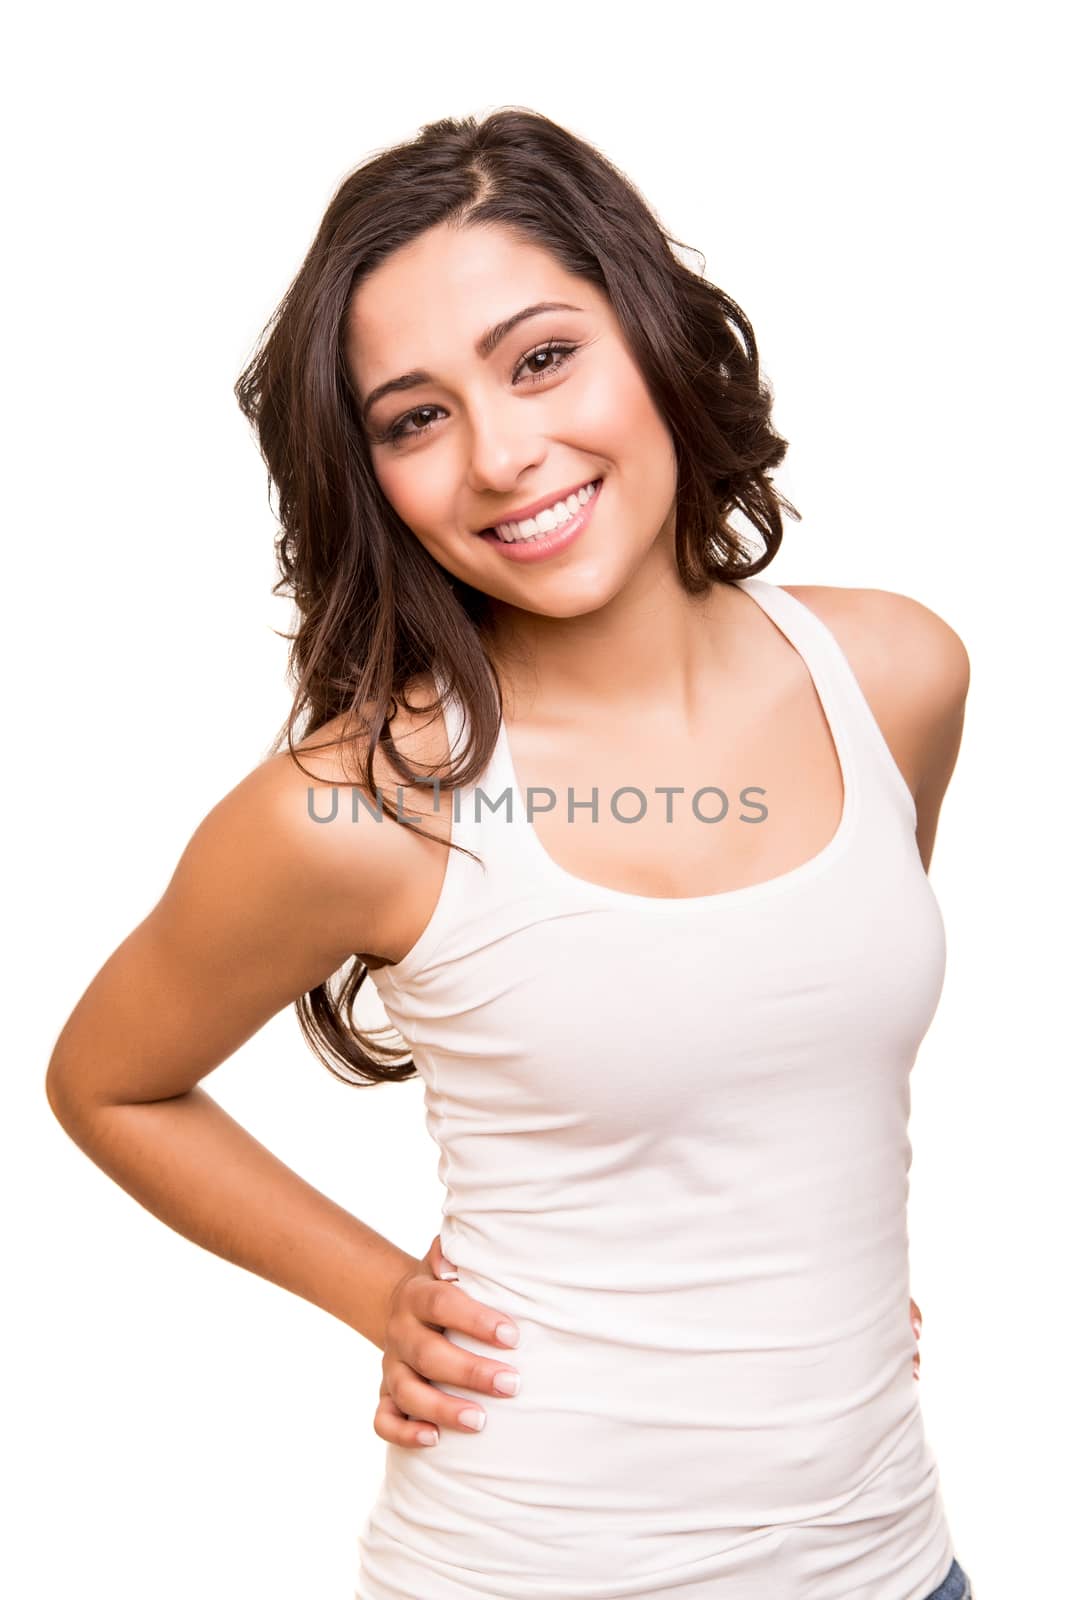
[{"x": 263, "y": 905}]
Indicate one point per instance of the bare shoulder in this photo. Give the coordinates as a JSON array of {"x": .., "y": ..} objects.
[
  {"x": 335, "y": 755},
  {"x": 914, "y": 671},
  {"x": 883, "y": 632},
  {"x": 299, "y": 857},
  {"x": 266, "y": 902},
  {"x": 329, "y": 820}
]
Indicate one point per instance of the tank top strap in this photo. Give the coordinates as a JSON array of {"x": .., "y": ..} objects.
[
  {"x": 468, "y": 808},
  {"x": 453, "y": 715},
  {"x": 861, "y": 744}
]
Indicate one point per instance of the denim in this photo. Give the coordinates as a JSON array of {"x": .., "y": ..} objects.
[{"x": 957, "y": 1586}]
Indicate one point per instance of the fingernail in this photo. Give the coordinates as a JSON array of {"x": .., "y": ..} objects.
[
  {"x": 427, "y": 1436},
  {"x": 506, "y": 1383},
  {"x": 507, "y": 1334},
  {"x": 472, "y": 1419},
  {"x": 448, "y": 1271}
]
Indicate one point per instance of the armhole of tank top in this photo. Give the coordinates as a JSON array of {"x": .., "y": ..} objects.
[
  {"x": 398, "y": 973},
  {"x": 839, "y": 668}
]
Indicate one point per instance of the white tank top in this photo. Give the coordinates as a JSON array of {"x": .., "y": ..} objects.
[{"x": 674, "y": 1144}]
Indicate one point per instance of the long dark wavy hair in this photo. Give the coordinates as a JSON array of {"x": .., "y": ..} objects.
[{"x": 375, "y": 610}]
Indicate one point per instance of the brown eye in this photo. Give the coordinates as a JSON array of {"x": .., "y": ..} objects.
[
  {"x": 564, "y": 352},
  {"x": 398, "y": 430}
]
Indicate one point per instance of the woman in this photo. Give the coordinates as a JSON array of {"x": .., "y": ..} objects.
[{"x": 644, "y": 893}]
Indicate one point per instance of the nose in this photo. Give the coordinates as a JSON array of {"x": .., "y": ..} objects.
[{"x": 502, "y": 447}]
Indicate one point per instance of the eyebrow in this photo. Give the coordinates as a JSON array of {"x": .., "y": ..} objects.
[{"x": 483, "y": 347}]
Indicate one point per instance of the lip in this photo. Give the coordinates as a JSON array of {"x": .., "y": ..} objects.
[
  {"x": 547, "y": 545},
  {"x": 537, "y": 506}
]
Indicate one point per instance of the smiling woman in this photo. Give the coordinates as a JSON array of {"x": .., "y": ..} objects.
[
  {"x": 400, "y": 377},
  {"x": 665, "y": 1057}
]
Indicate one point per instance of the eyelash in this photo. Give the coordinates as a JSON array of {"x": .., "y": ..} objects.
[{"x": 397, "y": 434}]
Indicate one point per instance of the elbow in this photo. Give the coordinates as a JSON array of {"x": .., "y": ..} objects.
[
  {"x": 54, "y": 1090},
  {"x": 59, "y": 1091}
]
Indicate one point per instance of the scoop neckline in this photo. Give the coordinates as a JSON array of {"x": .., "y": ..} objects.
[{"x": 766, "y": 887}]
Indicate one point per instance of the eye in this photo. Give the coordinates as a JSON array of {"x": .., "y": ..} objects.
[
  {"x": 399, "y": 431},
  {"x": 562, "y": 351}
]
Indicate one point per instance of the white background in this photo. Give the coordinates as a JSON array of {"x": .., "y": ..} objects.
[{"x": 876, "y": 187}]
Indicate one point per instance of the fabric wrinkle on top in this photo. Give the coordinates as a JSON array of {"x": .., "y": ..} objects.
[{"x": 673, "y": 1140}]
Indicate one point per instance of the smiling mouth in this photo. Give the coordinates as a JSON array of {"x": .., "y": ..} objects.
[{"x": 551, "y": 520}]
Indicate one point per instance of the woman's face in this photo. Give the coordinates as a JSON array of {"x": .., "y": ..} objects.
[{"x": 480, "y": 434}]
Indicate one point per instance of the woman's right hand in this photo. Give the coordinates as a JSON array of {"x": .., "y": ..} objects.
[{"x": 423, "y": 1303}]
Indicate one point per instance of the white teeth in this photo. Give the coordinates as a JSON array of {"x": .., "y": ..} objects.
[{"x": 545, "y": 521}]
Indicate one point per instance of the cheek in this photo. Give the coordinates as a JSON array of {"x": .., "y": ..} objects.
[
  {"x": 419, "y": 492},
  {"x": 606, "y": 408},
  {"x": 615, "y": 414}
]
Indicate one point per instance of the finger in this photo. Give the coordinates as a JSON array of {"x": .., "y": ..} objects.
[
  {"x": 415, "y": 1397},
  {"x": 394, "y": 1427},
  {"x": 439, "y": 1266},
  {"x": 445, "y": 1305},
  {"x": 418, "y": 1351},
  {"x": 434, "y": 1358},
  {"x": 916, "y": 1318}
]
